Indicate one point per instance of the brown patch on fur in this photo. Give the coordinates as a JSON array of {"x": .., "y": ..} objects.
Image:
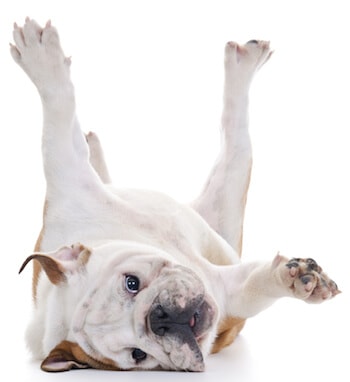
[
  {"x": 69, "y": 355},
  {"x": 35, "y": 279},
  {"x": 84, "y": 254},
  {"x": 228, "y": 330},
  {"x": 244, "y": 203},
  {"x": 52, "y": 268}
]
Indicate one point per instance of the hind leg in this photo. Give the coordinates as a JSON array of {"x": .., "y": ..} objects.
[
  {"x": 75, "y": 195},
  {"x": 96, "y": 157},
  {"x": 222, "y": 201},
  {"x": 65, "y": 151}
]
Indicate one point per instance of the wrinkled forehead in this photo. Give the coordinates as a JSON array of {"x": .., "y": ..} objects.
[{"x": 120, "y": 256}]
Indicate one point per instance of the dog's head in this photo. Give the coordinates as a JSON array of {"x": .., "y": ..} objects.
[{"x": 133, "y": 307}]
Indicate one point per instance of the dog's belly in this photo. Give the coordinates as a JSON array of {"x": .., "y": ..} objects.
[{"x": 141, "y": 216}]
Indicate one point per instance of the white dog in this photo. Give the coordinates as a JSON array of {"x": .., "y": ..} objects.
[{"x": 129, "y": 279}]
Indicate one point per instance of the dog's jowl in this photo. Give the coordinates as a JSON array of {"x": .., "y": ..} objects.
[{"x": 131, "y": 279}]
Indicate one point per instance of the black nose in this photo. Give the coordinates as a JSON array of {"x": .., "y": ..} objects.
[
  {"x": 166, "y": 321},
  {"x": 178, "y": 325}
]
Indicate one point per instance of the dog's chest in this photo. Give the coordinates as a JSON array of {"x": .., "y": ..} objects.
[{"x": 140, "y": 216}]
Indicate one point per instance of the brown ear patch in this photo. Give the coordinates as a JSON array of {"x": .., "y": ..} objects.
[
  {"x": 69, "y": 355},
  {"x": 58, "y": 264},
  {"x": 51, "y": 267},
  {"x": 61, "y": 358}
]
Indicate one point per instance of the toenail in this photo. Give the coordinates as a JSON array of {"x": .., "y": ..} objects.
[{"x": 253, "y": 42}]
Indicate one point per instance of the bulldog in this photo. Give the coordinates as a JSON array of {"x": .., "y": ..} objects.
[{"x": 132, "y": 279}]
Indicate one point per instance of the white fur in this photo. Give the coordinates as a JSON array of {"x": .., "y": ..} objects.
[{"x": 178, "y": 252}]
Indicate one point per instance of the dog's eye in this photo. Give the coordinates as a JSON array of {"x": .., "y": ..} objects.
[
  {"x": 138, "y": 355},
  {"x": 132, "y": 284}
]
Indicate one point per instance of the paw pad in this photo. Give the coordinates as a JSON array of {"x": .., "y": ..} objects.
[{"x": 309, "y": 282}]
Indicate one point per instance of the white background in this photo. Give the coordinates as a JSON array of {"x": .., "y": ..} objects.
[{"x": 148, "y": 78}]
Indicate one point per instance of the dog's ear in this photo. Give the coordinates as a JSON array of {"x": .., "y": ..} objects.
[
  {"x": 64, "y": 357},
  {"x": 69, "y": 355},
  {"x": 57, "y": 264}
]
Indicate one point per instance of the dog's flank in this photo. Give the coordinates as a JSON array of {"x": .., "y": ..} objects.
[{"x": 154, "y": 284}]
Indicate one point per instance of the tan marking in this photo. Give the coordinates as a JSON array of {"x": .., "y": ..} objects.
[
  {"x": 228, "y": 330},
  {"x": 53, "y": 268},
  {"x": 69, "y": 355},
  {"x": 244, "y": 203}
]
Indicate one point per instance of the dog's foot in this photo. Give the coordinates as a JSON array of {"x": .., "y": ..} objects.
[
  {"x": 305, "y": 279},
  {"x": 38, "y": 52},
  {"x": 242, "y": 61}
]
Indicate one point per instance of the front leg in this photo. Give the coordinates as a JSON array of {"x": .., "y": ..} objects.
[{"x": 253, "y": 287}]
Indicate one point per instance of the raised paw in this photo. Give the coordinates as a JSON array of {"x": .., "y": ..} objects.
[
  {"x": 306, "y": 279},
  {"x": 242, "y": 61},
  {"x": 38, "y": 52}
]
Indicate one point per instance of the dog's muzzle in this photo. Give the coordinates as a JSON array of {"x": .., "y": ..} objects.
[
  {"x": 180, "y": 317},
  {"x": 183, "y": 323},
  {"x": 182, "y": 327},
  {"x": 177, "y": 316}
]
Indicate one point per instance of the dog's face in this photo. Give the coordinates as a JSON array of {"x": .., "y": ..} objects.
[{"x": 136, "y": 308}]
